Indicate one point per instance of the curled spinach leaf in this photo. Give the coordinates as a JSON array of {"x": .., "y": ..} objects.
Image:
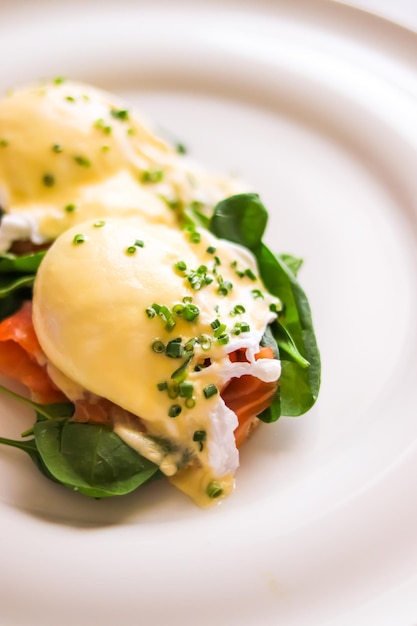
[
  {"x": 242, "y": 219},
  {"x": 91, "y": 458},
  {"x": 17, "y": 274}
]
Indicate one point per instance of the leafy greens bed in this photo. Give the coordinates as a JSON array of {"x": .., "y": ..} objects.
[{"x": 93, "y": 460}]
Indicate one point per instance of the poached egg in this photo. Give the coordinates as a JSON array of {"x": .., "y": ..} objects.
[{"x": 146, "y": 316}]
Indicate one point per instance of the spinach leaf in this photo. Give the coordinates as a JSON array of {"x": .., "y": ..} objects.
[
  {"x": 242, "y": 219},
  {"x": 17, "y": 274},
  {"x": 23, "y": 264},
  {"x": 29, "y": 446},
  {"x": 10, "y": 283},
  {"x": 57, "y": 410},
  {"x": 292, "y": 262},
  {"x": 91, "y": 458}
]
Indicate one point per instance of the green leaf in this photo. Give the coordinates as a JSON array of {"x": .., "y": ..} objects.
[
  {"x": 23, "y": 264},
  {"x": 10, "y": 283},
  {"x": 57, "y": 410},
  {"x": 91, "y": 458},
  {"x": 29, "y": 446},
  {"x": 242, "y": 219},
  {"x": 293, "y": 263}
]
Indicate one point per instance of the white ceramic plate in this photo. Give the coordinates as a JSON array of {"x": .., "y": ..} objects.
[{"x": 316, "y": 105}]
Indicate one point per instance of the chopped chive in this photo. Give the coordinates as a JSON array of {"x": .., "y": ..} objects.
[
  {"x": 150, "y": 312},
  {"x": 180, "y": 266},
  {"x": 162, "y": 386},
  {"x": 250, "y": 274},
  {"x": 174, "y": 349},
  {"x": 211, "y": 250},
  {"x": 174, "y": 410},
  {"x": 223, "y": 339},
  {"x": 99, "y": 224},
  {"x": 224, "y": 288},
  {"x": 158, "y": 346},
  {"x": 178, "y": 309},
  {"x": 185, "y": 389},
  {"x": 101, "y": 124},
  {"x": 4, "y": 143},
  {"x": 56, "y": 148},
  {"x": 275, "y": 307},
  {"x": 81, "y": 160},
  {"x": 195, "y": 237},
  {"x": 131, "y": 250},
  {"x": 121, "y": 114},
  {"x": 219, "y": 330},
  {"x": 180, "y": 374},
  {"x": 59, "y": 80},
  {"x": 210, "y": 391},
  {"x": 190, "y": 312},
  {"x": 70, "y": 98},
  {"x": 205, "y": 342},
  {"x": 200, "y": 437},
  {"x": 237, "y": 310},
  {"x": 139, "y": 243},
  {"x": 190, "y": 403},
  {"x": 214, "y": 489},
  {"x": 189, "y": 346},
  {"x": 152, "y": 176},
  {"x": 70, "y": 208},
  {"x": 48, "y": 180},
  {"x": 257, "y": 294},
  {"x": 215, "y": 324},
  {"x": 181, "y": 149},
  {"x": 80, "y": 238},
  {"x": 173, "y": 391},
  {"x": 241, "y": 327}
]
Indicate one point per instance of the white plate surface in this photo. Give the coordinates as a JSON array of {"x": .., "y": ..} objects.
[{"x": 315, "y": 104}]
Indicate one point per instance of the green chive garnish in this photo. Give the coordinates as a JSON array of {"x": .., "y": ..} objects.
[
  {"x": 80, "y": 238},
  {"x": 121, "y": 114},
  {"x": 152, "y": 176},
  {"x": 214, "y": 489},
  {"x": 174, "y": 349},
  {"x": 190, "y": 403},
  {"x": 190, "y": 312},
  {"x": 210, "y": 390},
  {"x": 195, "y": 237},
  {"x": 223, "y": 339},
  {"x": 174, "y": 410},
  {"x": 48, "y": 180},
  {"x": 185, "y": 389},
  {"x": 70, "y": 208},
  {"x": 250, "y": 274},
  {"x": 83, "y": 161},
  {"x": 257, "y": 294},
  {"x": 158, "y": 346}
]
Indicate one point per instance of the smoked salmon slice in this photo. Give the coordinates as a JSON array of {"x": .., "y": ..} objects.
[{"x": 21, "y": 356}]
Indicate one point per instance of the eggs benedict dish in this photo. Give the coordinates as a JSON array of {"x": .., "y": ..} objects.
[
  {"x": 70, "y": 152},
  {"x": 139, "y": 306},
  {"x": 146, "y": 318}
]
